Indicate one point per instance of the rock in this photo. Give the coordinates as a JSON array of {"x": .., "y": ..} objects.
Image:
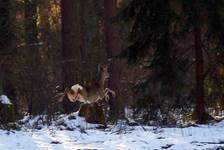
[
  {"x": 167, "y": 146},
  {"x": 56, "y": 142}
]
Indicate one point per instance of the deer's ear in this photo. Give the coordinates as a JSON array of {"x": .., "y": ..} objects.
[
  {"x": 100, "y": 67},
  {"x": 72, "y": 91},
  {"x": 69, "y": 90},
  {"x": 66, "y": 90},
  {"x": 79, "y": 91}
]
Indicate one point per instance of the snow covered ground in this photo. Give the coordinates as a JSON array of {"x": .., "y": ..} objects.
[{"x": 82, "y": 136}]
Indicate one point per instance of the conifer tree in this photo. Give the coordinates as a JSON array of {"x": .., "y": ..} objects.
[{"x": 150, "y": 37}]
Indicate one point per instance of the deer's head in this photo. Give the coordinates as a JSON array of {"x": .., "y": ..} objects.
[{"x": 103, "y": 72}]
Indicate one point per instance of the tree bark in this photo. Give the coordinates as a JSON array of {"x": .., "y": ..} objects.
[
  {"x": 112, "y": 48},
  {"x": 70, "y": 42},
  {"x": 200, "y": 111},
  {"x": 7, "y": 51},
  {"x": 110, "y": 32},
  {"x": 83, "y": 39},
  {"x": 44, "y": 25},
  {"x": 4, "y": 37},
  {"x": 71, "y": 53},
  {"x": 6, "y": 46},
  {"x": 1, "y": 79},
  {"x": 33, "y": 72},
  {"x": 31, "y": 28}
]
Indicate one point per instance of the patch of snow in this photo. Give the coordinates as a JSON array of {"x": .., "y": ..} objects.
[
  {"x": 30, "y": 122},
  {"x": 116, "y": 137},
  {"x": 5, "y": 100},
  {"x": 73, "y": 121}
]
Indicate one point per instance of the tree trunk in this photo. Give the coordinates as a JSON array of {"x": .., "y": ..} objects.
[
  {"x": 31, "y": 28},
  {"x": 1, "y": 81},
  {"x": 6, "y": 45},
  {"x": 70, "y": 42},
  {"x": 4, "y": 31},
  {"x": 6, "y": 35},
  {"x": 112, "y": 47},
  {"x": 83, "y": 39},
  {"x": 110, "y": 31},
  {"x": 44, "y": 25},
  {"x": 200, "y": 111},
  {"x": 32, "y": 57},
  {"x": 71, "y": 53},
  {"x": 7, "y": 50}
]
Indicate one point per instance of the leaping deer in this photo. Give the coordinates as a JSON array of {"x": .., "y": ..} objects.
[{"x": 94, "y": 92}]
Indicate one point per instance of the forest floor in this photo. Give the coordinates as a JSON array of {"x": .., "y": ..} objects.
[{"x": 73, "y": 133}]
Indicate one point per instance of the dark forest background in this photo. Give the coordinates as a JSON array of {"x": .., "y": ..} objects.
[{"x": 166, "y": 56}]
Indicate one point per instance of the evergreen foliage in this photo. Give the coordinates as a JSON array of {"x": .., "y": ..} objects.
[{"x": 154, "y": 44}]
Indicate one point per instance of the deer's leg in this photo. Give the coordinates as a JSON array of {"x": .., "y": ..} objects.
[
  {"x": 99, "y": 99},
  {"x": 107, "y": 90},
  {"x": 106, "y": 96}
]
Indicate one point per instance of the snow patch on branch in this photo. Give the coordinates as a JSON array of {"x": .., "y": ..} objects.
[{"x": 5, "y": 100}]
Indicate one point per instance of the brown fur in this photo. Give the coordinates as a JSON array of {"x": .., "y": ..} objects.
[
  {"x": 93, "y": 92},
  {"x": 93, "y": 113}
]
